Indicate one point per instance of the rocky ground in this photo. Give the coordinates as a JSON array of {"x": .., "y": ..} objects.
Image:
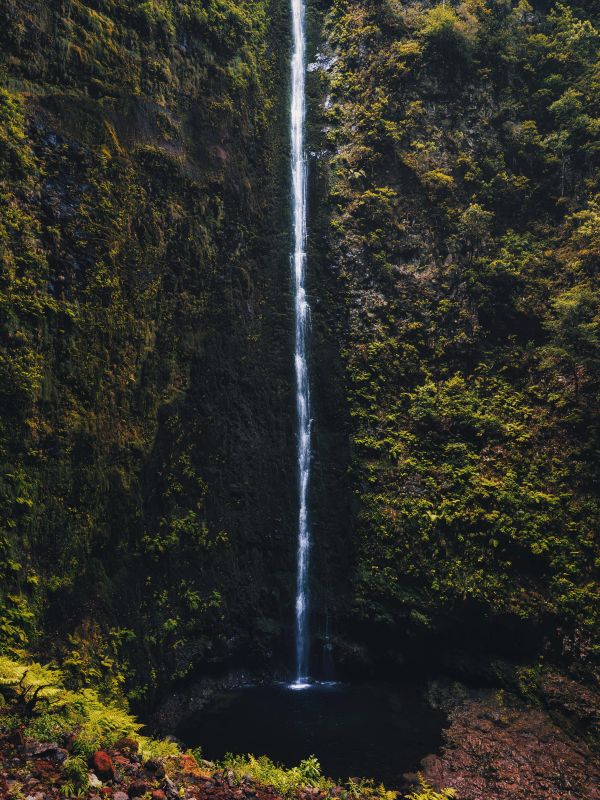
[
  {"x": 496, "y": 748},
  {"x": 34, "y": 771}
]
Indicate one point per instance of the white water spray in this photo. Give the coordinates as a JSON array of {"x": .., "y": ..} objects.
[{"x": 302, "y": 321}]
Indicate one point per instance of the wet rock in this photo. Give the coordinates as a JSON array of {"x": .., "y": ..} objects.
[
  {"x": 230, "y": 779},
  {"x": 221, "y": 153},
  {"x": 179, "y": 705},
  {"x": 137, "y": 789},
  {"x": 102, "y": 764},
  {"x": 156, "y": 767},
  {"x": 47, "y": 750},
  {"x": 170, "y": 789}
]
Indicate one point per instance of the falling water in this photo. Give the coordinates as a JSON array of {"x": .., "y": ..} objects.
[{"x": 302, "y": 320}]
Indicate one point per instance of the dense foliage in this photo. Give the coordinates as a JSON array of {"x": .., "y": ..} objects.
[
  {"x": 465, "y": 227},
  {"x": 35, "y": 699}
]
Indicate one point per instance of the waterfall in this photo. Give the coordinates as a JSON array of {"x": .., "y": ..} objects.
[{"x": 302, "y": 321}]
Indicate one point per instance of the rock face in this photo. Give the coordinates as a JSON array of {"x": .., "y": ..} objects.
[
  {"x": 147, "y": 472},
  {"x": 147, "y": 187},
  {"x": 498, "y": 749}
]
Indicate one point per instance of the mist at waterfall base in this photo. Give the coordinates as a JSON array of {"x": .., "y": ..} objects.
[{"x": 375, "y": 731}]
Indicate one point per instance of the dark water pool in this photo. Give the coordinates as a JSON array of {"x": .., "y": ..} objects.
[{"x": 368, "y": 731}]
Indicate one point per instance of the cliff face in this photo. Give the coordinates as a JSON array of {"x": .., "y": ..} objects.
[
  {"x": 147, "y": 409},
  {"x": 459, "y": 147},
  {"x": 147, "y": 466}
]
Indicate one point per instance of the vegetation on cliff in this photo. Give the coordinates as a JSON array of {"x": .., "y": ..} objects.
[
  {"x": 465, "y": 235},
  {"x": 147, "y": 469},
  {"x": 143, "y": 337}
]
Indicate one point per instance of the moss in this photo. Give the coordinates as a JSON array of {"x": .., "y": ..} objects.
[
  {"x": 139, "y": 221},
  {"x": 468, "y": 358}
]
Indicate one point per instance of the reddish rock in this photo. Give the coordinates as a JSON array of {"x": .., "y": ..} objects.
[
  {"x": 103, "y": 766},
  {"x": 158, "y": 794}
]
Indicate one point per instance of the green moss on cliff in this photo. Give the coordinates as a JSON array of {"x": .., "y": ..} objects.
[
  {"x": 145, "y": 472},
  {"x": 463, "y": 195}
]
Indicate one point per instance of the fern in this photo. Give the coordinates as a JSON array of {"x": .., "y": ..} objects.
[
  {"x": 29, "y": 684},
  {"x": 426, "y": 792},
  {"x": 75, "y": 770}
]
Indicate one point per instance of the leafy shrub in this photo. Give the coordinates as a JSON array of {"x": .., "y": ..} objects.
[
  {"x": 29, "y": 686},
  {"x": 155, "y": 18},
  {"x": 446, "y": 31},
  {"x": 288, "y": 782}
]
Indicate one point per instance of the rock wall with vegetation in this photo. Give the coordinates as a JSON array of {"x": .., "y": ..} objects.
[
  {"x": 458, "y": 144},
  {"x": 146, "y": 473}
]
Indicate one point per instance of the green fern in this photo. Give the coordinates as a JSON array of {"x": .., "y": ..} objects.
[
  {"x": 75, "y": 770},
  {"x": 426, "y": 792},
  {"x": 98, "y": 723}
]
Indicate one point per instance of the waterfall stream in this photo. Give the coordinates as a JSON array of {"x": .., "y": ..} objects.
[{"x": 302, "y": 322}]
